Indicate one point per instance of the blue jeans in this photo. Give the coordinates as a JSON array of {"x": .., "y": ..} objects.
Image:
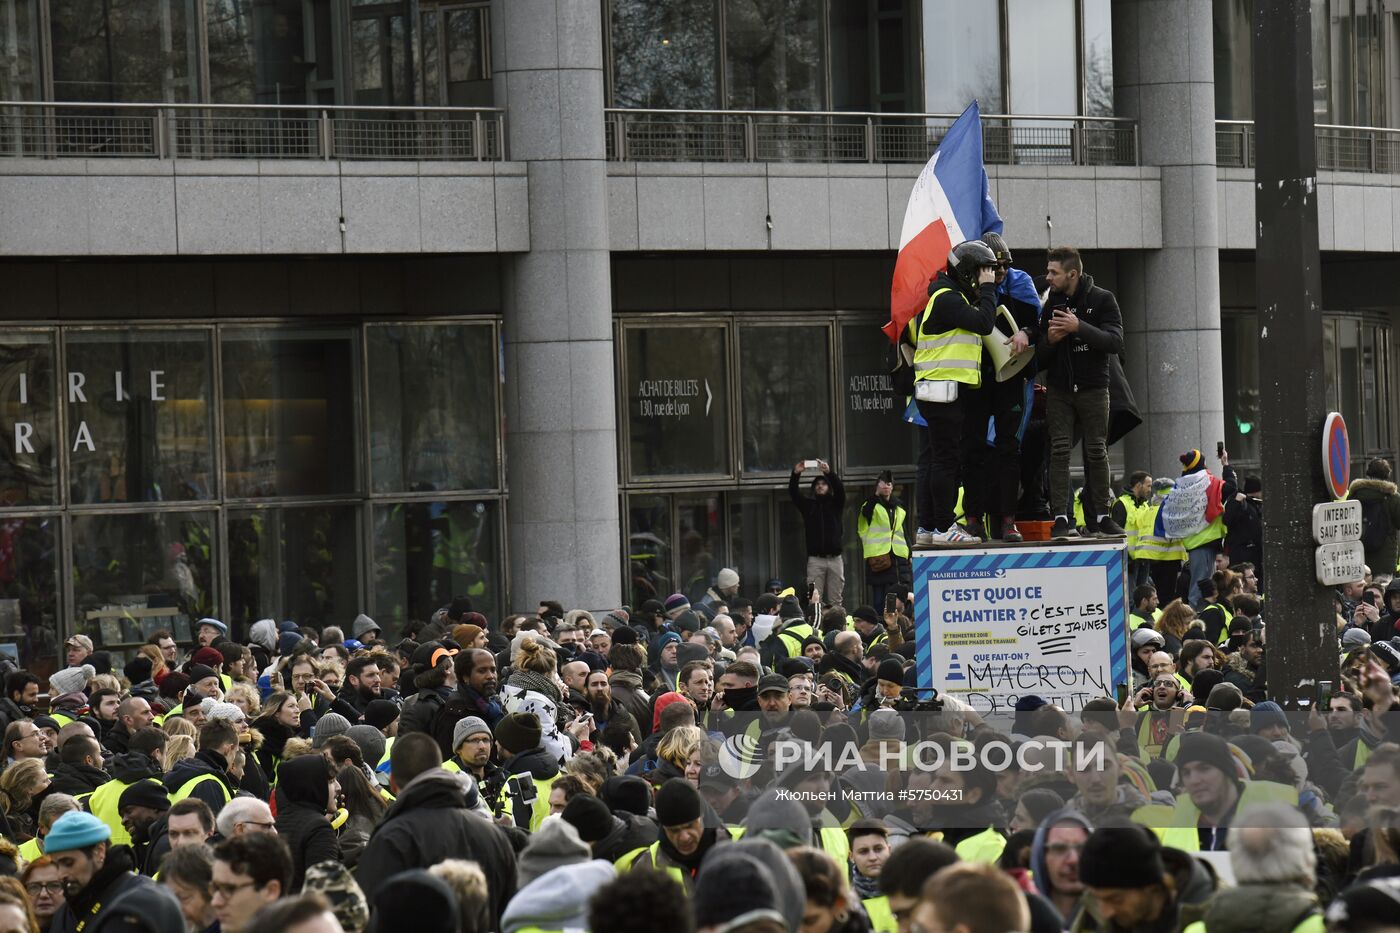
[{"x": 1200, "y": 564}]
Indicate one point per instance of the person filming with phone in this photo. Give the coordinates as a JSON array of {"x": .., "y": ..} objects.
[{"x": 821, "y": 519}]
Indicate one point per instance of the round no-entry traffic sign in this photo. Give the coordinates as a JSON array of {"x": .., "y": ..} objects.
[{"x": 1336, "y": 455}]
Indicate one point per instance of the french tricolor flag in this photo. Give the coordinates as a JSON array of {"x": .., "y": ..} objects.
[{"x": 950, "y": 203}]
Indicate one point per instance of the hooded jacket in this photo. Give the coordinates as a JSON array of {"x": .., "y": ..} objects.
[
  {"x": 558, "y": 899},
  {"x": 1040, "y": 869},
  {"x": 1368, "y": 492},
  {"x": 1080, "y": 360},
  {"x": 207, "y": 761},
  {"x": 77, "y": 779},
  {"x": 821, "y": 515},
  {"x": 115, "y": 891},
  {"x": 429, "y": 823},
  {"x": 302, "y": 797},
  {"x": 627, "y": 690}
]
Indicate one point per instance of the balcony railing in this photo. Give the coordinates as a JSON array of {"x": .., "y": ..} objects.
[
  {"x": 51, "y": 130},
  {"x": 1339, "y": 148},
  {"x": 830, "y": 136}
]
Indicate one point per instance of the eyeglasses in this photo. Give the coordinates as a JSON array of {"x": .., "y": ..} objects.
[
  {"x": 40, "y": 887},
  {"x": 229, "y": 890}
]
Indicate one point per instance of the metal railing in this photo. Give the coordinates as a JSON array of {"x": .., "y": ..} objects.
[
  {"x": 1339, "y": 148},
  {"x": 54, "y": 130},
  {"x": 833, "y": 136}
]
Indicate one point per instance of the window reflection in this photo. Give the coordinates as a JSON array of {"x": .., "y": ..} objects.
[
  {"x": 433, "y": 409},
  {"x": 786, "y": 411},
  {"x": 257, "y": 51},
  {"x": 774, "y": 54},
  {"x": 29, "y": 440},
  {"x": 665, "y": 54},
  {"x": 967, "y": 66},
  {"x": 289, "y": 411},
  {"x": 427, "y": 553},
  {"x": 293, "y": 563},
  {"x": 876, "y": 434},
  {"x": 135, "y": 573},
  {"x": 677, "y": 400},
  {"x": 649, "y": 548},
  {"x": 139, "y": 413},
  {"x": 132, "y": 51},
  {"x": 29, "y": 591},
  {"x": 700, "y": 543},
  {"x": 19, "y": 50},
  {"x": 1041, "y": 36}
]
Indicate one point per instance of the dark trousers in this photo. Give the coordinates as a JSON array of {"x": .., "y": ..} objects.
[
  {"x": 1087, "y": 411},
  {"x": 992, "y": 474},
  {"x": 1164, "y": 574},
  {"x": 947, "y": 436}
]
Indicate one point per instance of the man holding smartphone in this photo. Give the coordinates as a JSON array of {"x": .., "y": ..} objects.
[{"x": 1083, "y": 328}]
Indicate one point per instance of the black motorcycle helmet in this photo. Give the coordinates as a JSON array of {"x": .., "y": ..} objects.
[
  {"x": 966, "y": 260},
  {"x": 998, "y": 247}
]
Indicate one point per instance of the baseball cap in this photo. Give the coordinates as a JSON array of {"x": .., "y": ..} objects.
[{"x": 770, "y": 683}]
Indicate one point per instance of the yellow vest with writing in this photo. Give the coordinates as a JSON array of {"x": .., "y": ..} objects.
[
  {"x": 954, "y": 354},
  {"x": 1149, "y": 545}
]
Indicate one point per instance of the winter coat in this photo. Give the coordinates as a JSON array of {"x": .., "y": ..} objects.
[
  {"x": 77, "y": 779},
  {"x": 1366, "y": 490},
  {"x": 1250, "y": 907},
  {"x": 627, "y": 690},
  {"x": 821, "y": 516},
  {"x": 1244, "y": 522},
  {"x": 302, "y": 797},
  {"x": 115, "y": 739},
  {"x": 418, "y": 712},
  {"x": 629, "y": 832},
  {"x": 429, "y": 823},
  {"x": 1194, "y": 887},
  {"x": 1080, "y": 360},
  {"x": 275, "y": 736},
  {"x": 207, "y": 761},
  {"x": 354, "y": 835}
]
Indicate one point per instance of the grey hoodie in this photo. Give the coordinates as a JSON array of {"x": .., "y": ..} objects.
[
  {"x": 1040, "y": 872},
  {"x": 769, "y": 812},
  {"x": 264, "y": 632},
  {"x": 558, "y": 899}
]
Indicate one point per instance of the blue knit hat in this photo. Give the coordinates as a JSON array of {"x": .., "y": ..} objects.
[
  {"x": 75, "y": 830},
  {"x": 666, "y": 639}
]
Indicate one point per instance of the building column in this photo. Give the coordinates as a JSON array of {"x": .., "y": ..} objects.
[
  {"x": 1163, "y": 73},
  {"x": 561, "y": 430}
]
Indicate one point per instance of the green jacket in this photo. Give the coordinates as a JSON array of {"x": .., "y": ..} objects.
[{"x": 1251, "y": 907}]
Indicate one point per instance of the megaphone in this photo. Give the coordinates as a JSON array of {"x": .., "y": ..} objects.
[{"x": 1004, "y": 361}]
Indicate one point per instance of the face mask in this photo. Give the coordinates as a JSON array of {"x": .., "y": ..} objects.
[{"x": 740, "y": 697}]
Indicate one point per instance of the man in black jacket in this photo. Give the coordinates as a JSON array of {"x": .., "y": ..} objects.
[
  {"x": 98, "y": 882},
  {"x": 79, "y": 772},
  {"x": 205, "y": 776},
  {"x": 1083, "y": 328},
  {"x": 821, "y": 518},
  {"x": 430, "y": 822}
]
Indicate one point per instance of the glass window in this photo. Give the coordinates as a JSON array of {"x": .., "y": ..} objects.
[
  {"x": 649, "y": 548},
  {"x": 136, "y": 572},
  {"x": 1349, "y": 375},
  {"x": 751, "y": 537},
  {"x": 19, "y": 50},
  {"x": 29, "y": 560},
  {"x": 700, "y": 542},
  {"x": 1239, "y": 337},
  {"x": 426, "y": 553},
  {"x": 433, "y": 415},
  {"x": 1098, "y": 58},
  {"x": 786, "y": 397},
  {"x": 1040, "y": 32},
  {"x": 1234, "y": 60},
  {"x": 124, "y": 52},
  {"x": 257, "y": 51},
  {"x": 967, "y": 63},
  {"x": 295, "y": 563},
  {"x": 1369, "y": 385},
  {"x": 29, "y": 442},
  {"x": 139, "y": 415},
  {"x": 289, "y": 411},
  {"x": 665, "y": 54},
  {"x": 774, "y": 54},
  {"x": 876, "y": 434},
  {"x": 677, "y": 401},
  {"x": 1329, "y": 362}
]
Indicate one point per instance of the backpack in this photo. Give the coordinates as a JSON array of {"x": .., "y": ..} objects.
[
  {"x": 445, "y": 719},
  {"x": 1375, "y": 524}
]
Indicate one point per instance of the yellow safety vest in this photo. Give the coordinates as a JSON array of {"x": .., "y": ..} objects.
[
  {"x": 1079, "y": 521},
  {"x": 1179, "y": 827},
  {"x": 539, "y": 809},
  {"x": 31, "y": 850},
  {"x": 880, "y": 535},
  {"x": 188, "y": 787},
  {"x": 1313, "y": 923},
  {"x": 986, "y": 846},
  {"x": 103, "y": 804},
  {"x": 647, "y": 858},
  {"x": 1130, "y": 510},
  {"x": 793, "y": 636},
  {"x": 882, "y": 919},
  {"x": 1149, "y": 545},
  {"x": 835, "y": 844},
  {"x": 1212, "y": 532},
  {"x": 954, "y": 354},
  {"x": 62, "y": 719}
]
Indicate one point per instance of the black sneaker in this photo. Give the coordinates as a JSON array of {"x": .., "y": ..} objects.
[
  {"x": 1063, "y": 529},
  {"x": 1010, "y": 533},
  {"x": 1108, "y": 528}
]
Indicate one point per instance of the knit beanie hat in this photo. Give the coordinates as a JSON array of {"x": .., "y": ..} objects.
[
  {"x": 1122, "y": 855},
  {"x": 627, "y": 793},
  {"x": 1224, "y": 696},
  {"x": 675, "y": 601},
  {"x": 75, "y": 830},
  {"x": 687, "y": 621},
  {"x": 790, "y": 609},
  {"x": 415, "y": 893},
  {"x": 1355, "y": 638},
  {"x": 677, "y": 803},
  {"x": 726, "y": 578},
  {"x": 667, "y": 638},
  {"x": 1266, "y": 714},
  {"x": 518, "y": 732},
  {"x": 287, "y": 643},
  {"x": 773, "y": 813},
  {"x": 327, "y": 727},
  {"x": 556, "y": 843},
  {"x": 891, "y": 670},
  {"x": 624, "y": 635},
  {"x": 138, "y": 669},
  {"x": 198, "y": 672},
  {"x": 371, "y": 742},
  {"x": 1192, "y": 462},
  {"x": 1208, "y": 749},
  {"x": 379, "y": 713},
  {"x": 1204, "y": 682},
  {"x": 467, "y": 727},
  {"x": 337, "y": 885},
  {"x": 885, "y": 724},
  {"x": 144, "y": 794},
  {"x": 71, "y": 679},
  {"x": 208, "y": 656},
  {"x": 226, "y": 711},
  {"x": 736, "y": 888},
  {"x": 590, "y": 816}
]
